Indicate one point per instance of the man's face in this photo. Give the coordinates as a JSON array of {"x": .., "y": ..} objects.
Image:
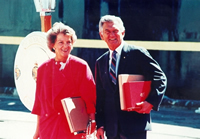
[{"x": 112, "y": 35}]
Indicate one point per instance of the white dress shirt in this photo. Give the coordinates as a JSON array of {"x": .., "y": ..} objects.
[{"x": 118, "y": 55}]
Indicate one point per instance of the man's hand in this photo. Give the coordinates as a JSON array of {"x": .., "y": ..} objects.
[
  {"x": 100, "y": 133},
  {"x": 145, "y": 106},
  {"x": 142, "y": 107}
]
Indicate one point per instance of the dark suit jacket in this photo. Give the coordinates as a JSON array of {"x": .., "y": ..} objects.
[{"x": 134, "y": 60}]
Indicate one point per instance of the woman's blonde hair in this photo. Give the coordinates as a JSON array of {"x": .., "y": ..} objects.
[{"x": 58, "y": 28}]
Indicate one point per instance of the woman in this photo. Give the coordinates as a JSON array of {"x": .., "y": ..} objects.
[{"x": 54, "y": 82}]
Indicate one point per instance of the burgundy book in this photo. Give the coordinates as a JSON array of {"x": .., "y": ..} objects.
[
  {"x": 76, "y": 114},
  {"x": 133, "y": 89}
]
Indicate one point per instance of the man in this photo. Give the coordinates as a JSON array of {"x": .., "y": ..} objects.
[{"x": 118, "y": 124}]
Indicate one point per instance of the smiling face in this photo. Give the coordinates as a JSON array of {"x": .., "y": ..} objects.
[
  {"x": 62, "y": 47},
  {"x": 112, "y": 35}
]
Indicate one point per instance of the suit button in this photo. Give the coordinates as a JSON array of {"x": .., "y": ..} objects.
[
  {"x": 59, "y": 113},
  {"x": 46, "y": 115}
]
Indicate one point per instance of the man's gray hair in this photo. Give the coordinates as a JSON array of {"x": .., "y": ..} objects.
[{"x": 111, "y": 18}]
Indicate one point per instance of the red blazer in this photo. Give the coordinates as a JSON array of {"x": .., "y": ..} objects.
[{"x": 74, "y": 80}]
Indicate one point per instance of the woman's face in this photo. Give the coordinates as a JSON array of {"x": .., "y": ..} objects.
[{"x": 63, "y": 46}]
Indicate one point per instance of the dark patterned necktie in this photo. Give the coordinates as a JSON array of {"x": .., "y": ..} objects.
[{"x": 113, "y": 67}]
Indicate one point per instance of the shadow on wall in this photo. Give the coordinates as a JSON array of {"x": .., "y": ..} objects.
[{"x": 12, "y": 91}]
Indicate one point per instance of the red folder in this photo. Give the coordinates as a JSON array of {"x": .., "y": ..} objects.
[
  {"x": 135, "y": 92},
  {"x": 76, "y": 114},
  {"x": 133, "y": 89}
]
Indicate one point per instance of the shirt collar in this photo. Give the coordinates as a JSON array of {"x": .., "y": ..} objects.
[{"x": 63, "y": 64}]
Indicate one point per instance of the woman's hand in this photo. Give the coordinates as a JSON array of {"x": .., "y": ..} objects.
[
  {"x": 92, "y": 124},
  {"x": 91, "y": 127},
  {"x": 100, "y": 133},
  {"x": 37, "y": 135}
]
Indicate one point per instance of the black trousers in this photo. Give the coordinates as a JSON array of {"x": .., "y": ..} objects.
[{"x": 138, "y": 135}]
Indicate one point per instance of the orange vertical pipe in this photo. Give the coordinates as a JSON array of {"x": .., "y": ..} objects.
[{"x": 45, "y": 22}]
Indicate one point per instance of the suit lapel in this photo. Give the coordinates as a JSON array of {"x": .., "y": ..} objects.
[{"x": 123, "y": 63}]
